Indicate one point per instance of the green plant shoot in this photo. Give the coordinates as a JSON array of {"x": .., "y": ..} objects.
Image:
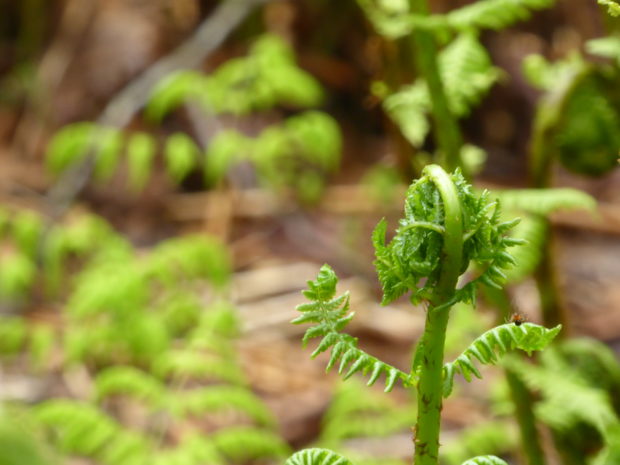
[{"x": 445, "y": 229}]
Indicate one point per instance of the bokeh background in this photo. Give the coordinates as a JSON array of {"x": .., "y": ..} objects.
[{"x": 172, "y": 172}]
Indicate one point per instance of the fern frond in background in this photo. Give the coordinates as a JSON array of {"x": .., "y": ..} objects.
[
  {"x": 266, "y": 77},
  {"x": 492, "y": 436},
  {"x": 143, "y": 354},
  {"x": 296, "y": 154},
  {"x": 241, "y": 444},
  {"x": 358, "y": 412},
  {"x": 579, "y": 116},
  {"x": 494, "y": 14},
  {"x": 82, "y": 429},
  {"x": 299, "y": 151},
  {"x": 575, "y": 386},
  {"x": 468, "y": 75},
  {"x": 613, "y": 8},
  {"x": 210, "y": 399},
  {"x": 128, "y": 380},
  {"x": 394, "y": 20},
  {"x": 534, "y": 206},
  {"x": 21, "y": 441}
]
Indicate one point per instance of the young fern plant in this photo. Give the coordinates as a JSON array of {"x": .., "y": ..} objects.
[{"x": 446, "y": 228}]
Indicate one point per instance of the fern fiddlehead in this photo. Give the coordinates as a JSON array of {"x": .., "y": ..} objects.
[{"x": 446, "y": 227}]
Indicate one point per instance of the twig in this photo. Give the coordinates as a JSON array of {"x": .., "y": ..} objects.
[{"x": 122, "y": 108}]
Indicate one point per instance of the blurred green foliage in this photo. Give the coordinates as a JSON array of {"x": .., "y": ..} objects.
[{"x": 297, "y": 153}]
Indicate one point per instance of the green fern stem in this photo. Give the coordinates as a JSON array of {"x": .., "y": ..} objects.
[
  {"x": 549, "y": 116},
  {"x": 552, "y": 309},
  {"x": 525, "y": 419},
  {"x": 430, "y": 384},
  {"x": 519, "y": 393},
  {"x": 447, "y": 132}
]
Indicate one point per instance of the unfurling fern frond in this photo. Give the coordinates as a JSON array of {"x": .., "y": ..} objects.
[
  {"x": 331, "y": 315},
  {"x": 495, "y": 343},
  {"x": 415, "y": 252},
  {"x": 317, "y": 456},
  {"x": 494, "y": 14},
  {"x": 485, "y": 460}
]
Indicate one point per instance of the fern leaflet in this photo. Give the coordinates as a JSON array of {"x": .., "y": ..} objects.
[
  {"x": 317, "y": 456},
  {"x": 82, "y": 429},
  {"x": 495, "y": 343},
  {"x": 527, "y": 258},
  {"x": 127, "y": 380},
  {"x": 331, "y": 314},
  {"x": 468, "y": 75},
  {"x": 198, "y": 365},
  {"x": 226, "y": 398},
  {"x": 485, "y": 460}
]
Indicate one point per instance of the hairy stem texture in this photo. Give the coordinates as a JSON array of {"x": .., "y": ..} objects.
[
  {"x": 430, "y": 385},
  {"x": 429, "y": 389}
]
